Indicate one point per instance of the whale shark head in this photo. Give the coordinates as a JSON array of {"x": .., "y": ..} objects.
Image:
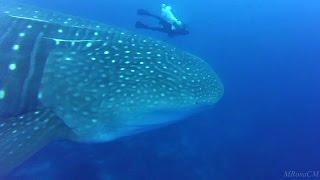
[
  {"x": 124, "y": 85},
  {"x": 67, "y": 77}
]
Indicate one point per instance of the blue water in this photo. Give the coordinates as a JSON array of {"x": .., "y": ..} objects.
[{"x": 267, "y": 55}]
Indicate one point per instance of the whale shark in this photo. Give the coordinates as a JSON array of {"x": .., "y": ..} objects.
[{"x": 65, "y": 77}]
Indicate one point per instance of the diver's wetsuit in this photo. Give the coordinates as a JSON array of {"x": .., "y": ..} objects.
[{"x": 165, "y": 26}]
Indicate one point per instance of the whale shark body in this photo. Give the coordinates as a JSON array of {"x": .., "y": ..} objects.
[{"x": 63, "y": 77}]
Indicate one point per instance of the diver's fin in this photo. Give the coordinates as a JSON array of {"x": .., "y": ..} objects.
[
  {"x": 142, "y": 12},
  {"x": 140, "y": 25},
  {"x": 22, "y": 136}
]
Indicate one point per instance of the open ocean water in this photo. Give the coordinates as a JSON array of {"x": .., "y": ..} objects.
[{"x": 266, "y": 126}]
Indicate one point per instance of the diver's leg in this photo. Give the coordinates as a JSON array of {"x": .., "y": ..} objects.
[
  {"x": 144, "y": 26},
  {"x": 144, "y": 12},
  {"x": 159, "y": 29},
  {"x": 141, "y": 25}
]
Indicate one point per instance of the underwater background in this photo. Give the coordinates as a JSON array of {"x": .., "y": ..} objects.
[{"x": 267, "y": 56}]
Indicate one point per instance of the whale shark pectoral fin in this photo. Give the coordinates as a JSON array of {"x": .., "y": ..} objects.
[{"x": 21, "y": 137}]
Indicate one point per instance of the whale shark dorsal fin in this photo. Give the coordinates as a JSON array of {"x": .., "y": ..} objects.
[{"x": 22, "y": 136}]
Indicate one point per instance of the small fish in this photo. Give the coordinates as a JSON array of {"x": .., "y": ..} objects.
[{"x": 63, "y": 77}]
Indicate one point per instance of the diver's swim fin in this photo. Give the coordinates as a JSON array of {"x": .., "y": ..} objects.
[
  {"x": 140, "y": 25},
  {"x": 22, "y": 136},
  {"x": 143, "y": 12}
]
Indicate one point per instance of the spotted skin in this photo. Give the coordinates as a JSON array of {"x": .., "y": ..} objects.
[
  {"x": 91, "y": 82},
  {"x": 116, "y": 86},
  {"x": 19, "y": 134}
]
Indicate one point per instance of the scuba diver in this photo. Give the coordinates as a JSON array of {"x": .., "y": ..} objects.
[{"x": 168, "y": 22}]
